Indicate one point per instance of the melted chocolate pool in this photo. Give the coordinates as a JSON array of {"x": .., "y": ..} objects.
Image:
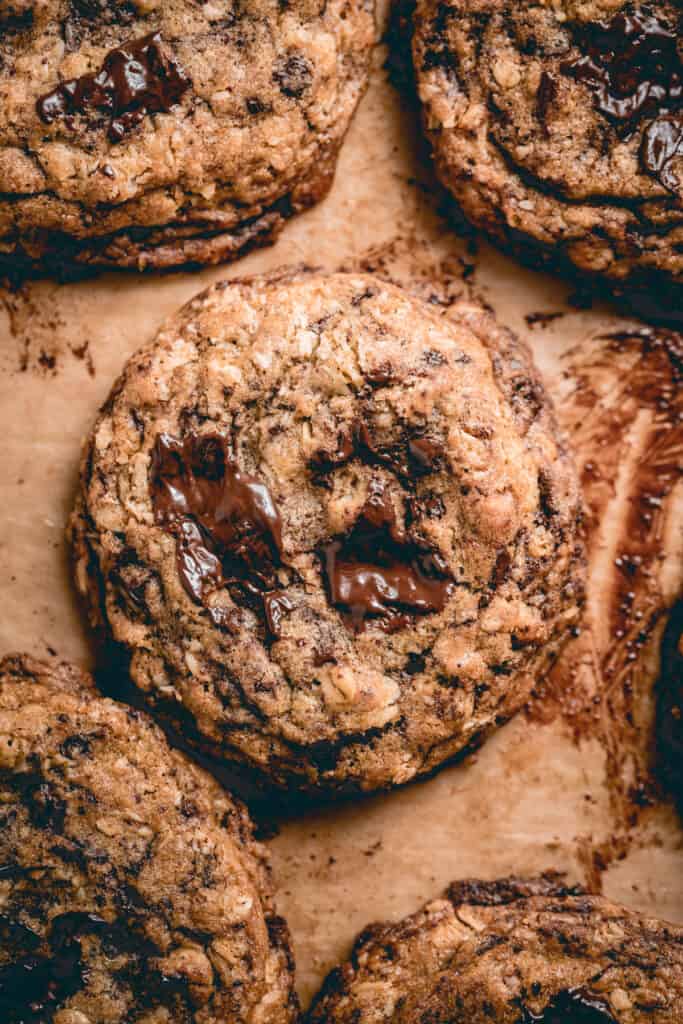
[
  {"x": 226, "y": 523},
  {"x": 135, "y": 80},
  {"x": 632, "y": 64},
  {"x": 379, "y": 571}
]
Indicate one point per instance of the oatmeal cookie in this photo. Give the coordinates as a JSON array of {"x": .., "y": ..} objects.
[
  {"x": 558, "y": 127},
  {"x": 131, "y": 888},
  {"x": 149, "y": 135},
  {"x": 335, "y": 527},
  {"x": 510, "y": 952}
]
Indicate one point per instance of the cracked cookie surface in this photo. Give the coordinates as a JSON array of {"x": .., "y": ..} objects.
[
  {"x": 151, "y": 135},
  {"x": 335, "y": 527},
  {"x": 558, "y": 127},
  {"x": 510, "y": 952},
  {"x": 131, "y": 888}
]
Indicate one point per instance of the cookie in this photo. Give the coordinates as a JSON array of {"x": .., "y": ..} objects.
[
  {"x": 336, "y": 528},
  {"x": 511, "y": 952},
  {"x": 131, "y": 888},
  {"x": 558, "y": 127},
  {"x": 145, "y": 135},
  {"x": 670, "y": 701}
]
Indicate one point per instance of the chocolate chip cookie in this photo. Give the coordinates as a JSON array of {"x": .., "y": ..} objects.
[
  {"x": 670, "y": 692},
  {"x": 131, "y": 889},
  {"x": 558, "y": 127},
  {"x": 148, "y": 135},
  {"x": 335, "y": 527},
  {"x": 511, "y": 952}
]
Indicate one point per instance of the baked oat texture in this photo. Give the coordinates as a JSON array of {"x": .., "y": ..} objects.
[
  {"x": 131, "y": 888},
  {"x": 558, "y": 128},
  {"x": 510, "y": 952},
  {"x": 421, "y": 566},
  {"x": 191, "y": 149}
]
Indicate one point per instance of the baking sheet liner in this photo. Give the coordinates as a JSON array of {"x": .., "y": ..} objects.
[{"x": 565, "y": 785}]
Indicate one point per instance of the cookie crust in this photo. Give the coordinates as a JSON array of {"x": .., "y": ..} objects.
[
  {"x": 131, "y": 888},
  {"x": 235, "y": 127},
  {"x": 409, "y": 451},
  {"x": 546, "y": 142},
  {"x": 510, "y": 952}
]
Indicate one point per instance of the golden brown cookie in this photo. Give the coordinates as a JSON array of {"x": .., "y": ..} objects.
[
  {"x": 131, "y": 888},
  {"x": 336, "y": 529},
  {"x": 147, "y": 135},
  {"x": 510, "y": 952},
  {"x": 558, "y": 127}
]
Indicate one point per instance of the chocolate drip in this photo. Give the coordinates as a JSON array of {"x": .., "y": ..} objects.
[
  {"x": 633, "y": 66},
  {"x": 135, "y": 80},
  {"x": 227, "y": 526},
  {"x": 576, "y": 1006},
  {"x": 379, "y": 571}
]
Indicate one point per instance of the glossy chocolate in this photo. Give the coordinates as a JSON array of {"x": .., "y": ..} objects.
[
  {"x": 227, "y": 526},
  {"x": 379, "y": 571},
  {"x": 577, "y": 1006},
  {"x": 135, "y": 80},
  {"x": 633, "y": 66},
  {"x": 631, "y": 63}
]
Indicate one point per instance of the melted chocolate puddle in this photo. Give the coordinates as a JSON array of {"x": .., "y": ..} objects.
[
  {"x": 379, "y": 571},
  {"x": 576, "y": 1006},
  {"x": 137, "y": 79},
  {"x": 633, "y": 66},
  {"x": 227, "y": 526}
]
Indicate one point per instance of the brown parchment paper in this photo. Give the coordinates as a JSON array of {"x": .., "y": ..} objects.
[{"x": 565, "y": 785}]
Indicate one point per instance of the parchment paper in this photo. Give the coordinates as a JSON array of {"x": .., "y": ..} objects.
[{"x": 566, "y": 785}]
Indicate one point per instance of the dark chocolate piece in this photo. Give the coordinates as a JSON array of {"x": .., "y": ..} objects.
[
  {"x": 226, "y": 523},
  {"x": 379, "y": 571},
  {"x": 633, "y": 66},
  {"x": 135, "y": 80},
  {"x": 577, "y": 1006}
]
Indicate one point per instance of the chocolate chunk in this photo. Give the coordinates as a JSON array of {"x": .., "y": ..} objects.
[
  {"x": 633, "y": 66},
  {"x": 379, "y": 571},
  {"x": 227, "y": 526},
  {"x": 576, "y": 1006},
  {"x": 631, "y": 63},
  {"x": 294, "y": 76},
  {"x": 412, "y": 458},
  {"x": 425, "y": 452},
  {"x": 545, "y": 97},
  {"x": 135, "y": 80},
  {"x": 662, "y": 144}
]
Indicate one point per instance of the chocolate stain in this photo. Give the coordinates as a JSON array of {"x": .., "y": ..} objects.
[
  {"x": 43, "y": 336},
  {"x": 135, "y": 80},
  {"x": 623, "y": 411}
]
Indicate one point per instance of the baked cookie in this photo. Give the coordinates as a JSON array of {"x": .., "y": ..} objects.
[
  {"x": 131, "y": 889},
  {"x": 510, "y": 952},
  {"x": 335, "y": 528},
  {"x": 143, "y": 134},
  {"x": 558, "y": 127},
  {"x": 671, "y": 701}
]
